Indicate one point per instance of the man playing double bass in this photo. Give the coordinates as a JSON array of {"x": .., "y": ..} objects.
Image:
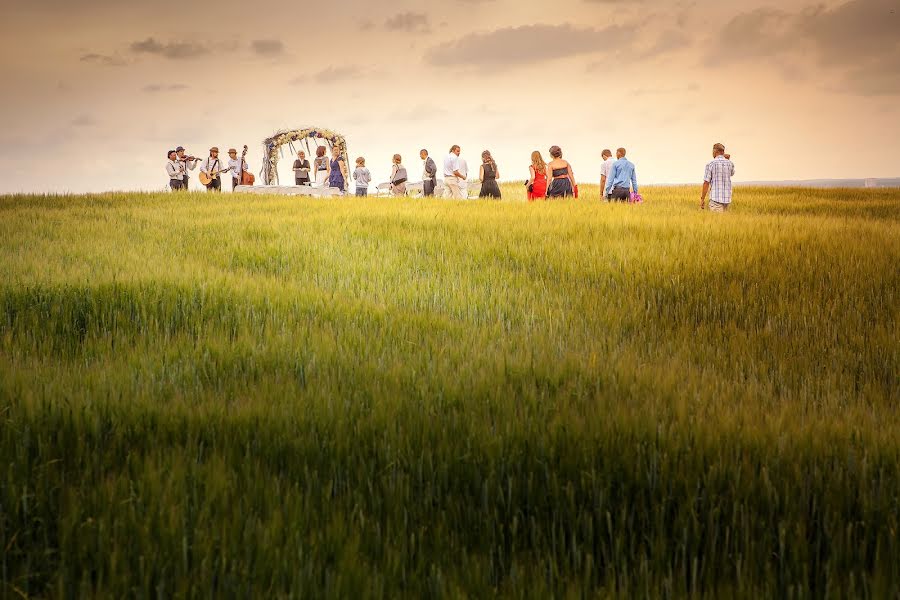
[{"x": 236, "y": 166}]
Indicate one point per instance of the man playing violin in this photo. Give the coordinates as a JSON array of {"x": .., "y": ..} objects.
[{"x": 189, "y": 163}]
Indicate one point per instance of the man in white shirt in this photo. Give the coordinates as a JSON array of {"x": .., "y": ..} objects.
[
  {"x": 212, "y": 166},
  {"x": 189, "y": 163},
  {"x": 717, "y": 181},
  {"x": 175, "y": 171},
  {"x": 452, "y": 175},
  {"x": 236, "y": 166},
  {"x": 604, "y": 171},
  {"x": 464, "y": 173}
]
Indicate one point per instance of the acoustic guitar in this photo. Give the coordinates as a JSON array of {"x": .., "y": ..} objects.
[
  {"x": 245, "y": 178},
  {"x": 207, "y": 178}
]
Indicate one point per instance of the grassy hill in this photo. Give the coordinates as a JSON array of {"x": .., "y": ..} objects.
[{"x": 269, "y": 397}]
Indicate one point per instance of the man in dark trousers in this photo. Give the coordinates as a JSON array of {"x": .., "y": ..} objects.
[{"x": 428, "y": 178}]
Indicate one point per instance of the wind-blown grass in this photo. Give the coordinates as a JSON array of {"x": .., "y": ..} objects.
[{"x": 265, "y": 396}]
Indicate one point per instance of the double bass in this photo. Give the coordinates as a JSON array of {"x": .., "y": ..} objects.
[{"x": 246, "y": 178}]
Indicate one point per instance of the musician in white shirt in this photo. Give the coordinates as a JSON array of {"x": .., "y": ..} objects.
[
  {"x": 175, "y": 170},
  {"x": 237, "y": 166},
  {"x": 188, "y": 162},
  {"x": 212, "y": 166}
]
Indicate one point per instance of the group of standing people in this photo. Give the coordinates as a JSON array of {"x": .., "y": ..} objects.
[
  {"x": 553, "y": 179},
  {"x": 326, "y": 172},
  {"x": 180, "y": 164}
]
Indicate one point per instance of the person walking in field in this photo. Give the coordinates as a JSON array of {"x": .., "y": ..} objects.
[
  {"x": 429, "y": 175},
  {"x": 604, "y": 172},
  {"x": 398, "y": 177},
  {"x": 452, "y": 174},
  {"x": 363, "y": 178},
  {"x": 537, "y": 182},
  {"x": 175, "y": 170},
  {"x": 562, "y": 183},
  {"x": 622, "y": 178},
  {"x": 488, "y": 174},
  {"x": 717, "y": 181}
]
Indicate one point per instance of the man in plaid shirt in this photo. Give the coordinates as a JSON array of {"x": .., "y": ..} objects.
[{"x": 717, "y": 181}]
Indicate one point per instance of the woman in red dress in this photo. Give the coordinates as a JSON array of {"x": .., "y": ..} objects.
[{"x": 537, "y": 184}]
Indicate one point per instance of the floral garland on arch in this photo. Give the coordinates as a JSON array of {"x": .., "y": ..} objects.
[{"x": 307, "y": 139}]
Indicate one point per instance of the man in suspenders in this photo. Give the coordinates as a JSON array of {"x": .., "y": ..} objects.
[
  {"x": 212, "y": 166},
  {"x": 189, "y": 163}
]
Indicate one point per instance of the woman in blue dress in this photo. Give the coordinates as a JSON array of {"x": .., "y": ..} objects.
[{"x": 337, "y": 171}]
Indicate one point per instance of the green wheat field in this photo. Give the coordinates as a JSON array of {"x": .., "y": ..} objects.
[{"x": 269, "y": 397}]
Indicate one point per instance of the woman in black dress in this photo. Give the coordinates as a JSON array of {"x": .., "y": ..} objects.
[
  {"x": 488, "y": 175},
  {"x": 562, "y": 183}
]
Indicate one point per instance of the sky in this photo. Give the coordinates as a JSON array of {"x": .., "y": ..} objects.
[{"x": 96, "y": 91}]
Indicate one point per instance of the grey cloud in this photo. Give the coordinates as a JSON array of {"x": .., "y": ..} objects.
[
  {"x": 421, "y": 112},
  {"x": 755, "y": 34},
  {"x": 171, "y": 50},
  {"x": 155, "y": 88},
  {"x": 858, "y": 39},
  {"x": 267, "y": 47},
  {"x": 104, "y": 60},
  {"x": 408, "y": 21},
  {"x": 525, "y": 45},
  {"x": 668, "y": 42},
  {"x": 331, "y": 75},
  {"x": 83, "y": 121},
  {"x": 693, "y": 87},
  {"x": 859, "y": 28}
]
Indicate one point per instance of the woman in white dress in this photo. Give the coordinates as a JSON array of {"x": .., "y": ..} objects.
[{"x": 320, "y": 164}]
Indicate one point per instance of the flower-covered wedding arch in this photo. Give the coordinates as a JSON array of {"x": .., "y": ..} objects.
[{"x": 305, "y": 139}]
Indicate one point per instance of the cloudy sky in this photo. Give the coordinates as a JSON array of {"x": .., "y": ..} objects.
[{"x": 96, "y": 91}]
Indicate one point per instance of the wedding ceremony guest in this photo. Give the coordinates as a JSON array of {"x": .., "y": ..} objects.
[
  {"x": 622, "y": 178},
  {"x": 537, "y": 182},
  {"x": 717, "y": 181},
  {"x": 337, "y": 170},
  {"x": 189, "y": 162},
  {"x": 398, "y": 177},
  {"x": 452, "y": 174},
  {"x": 237, "y": 166},
  {"x": 301, "y": 169},
  {"x": 429, "y": 175},
  {"x": 212, "y": 167},
  {"x": 175, "y": 170},
  {"x": 604, "y": 172},
  {"x": 320, "y": 164},
  {"x": 464, "y": 182},
  {"x": 562, "y": 183},
  {"x": 488, "y": 175},
  {"x": 362, "y": 177}
]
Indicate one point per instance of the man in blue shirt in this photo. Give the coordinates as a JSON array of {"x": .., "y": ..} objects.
[{"x": 622, "y": 178}]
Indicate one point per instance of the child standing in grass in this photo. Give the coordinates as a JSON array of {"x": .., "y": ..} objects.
[{"x": 363, "y": 177}]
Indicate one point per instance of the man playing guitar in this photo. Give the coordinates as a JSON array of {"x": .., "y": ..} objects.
[{"x": 210, "y": 170}]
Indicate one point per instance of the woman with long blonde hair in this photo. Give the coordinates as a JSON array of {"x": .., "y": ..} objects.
[{"x": 537, "y": 183}]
